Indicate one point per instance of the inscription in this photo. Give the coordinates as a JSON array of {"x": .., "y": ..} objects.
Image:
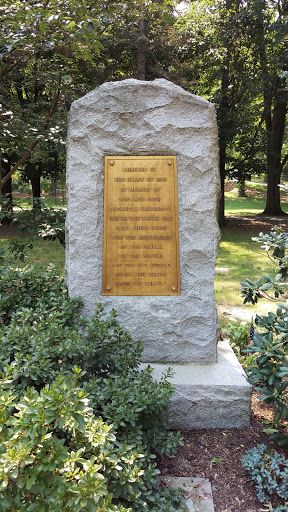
[{"x": 140, "y": 206}]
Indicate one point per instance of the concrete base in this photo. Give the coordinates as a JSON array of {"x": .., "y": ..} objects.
[{"x": 208, "y": 396}]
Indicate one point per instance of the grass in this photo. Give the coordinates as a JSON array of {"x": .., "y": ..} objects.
[
  {"x": 43, "y": 252},
  {"x": 239, "y": 258},
  {"x": 26, "y": 202},
  {"x": 253, "y": 204}
]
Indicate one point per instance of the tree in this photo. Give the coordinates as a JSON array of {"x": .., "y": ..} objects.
[
  {"x": 271, "y": 46},
  {"x": 43, "y": 45},
  {"x": 233, "y": 53},
  {"x": 136, "y": 40},
  {"x": 216, "y": 61}
]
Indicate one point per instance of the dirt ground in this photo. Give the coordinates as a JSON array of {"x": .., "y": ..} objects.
[{"x": 232, "y": 489}]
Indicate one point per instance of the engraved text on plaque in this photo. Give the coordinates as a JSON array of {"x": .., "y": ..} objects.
[{"x": 141, "y": 243}]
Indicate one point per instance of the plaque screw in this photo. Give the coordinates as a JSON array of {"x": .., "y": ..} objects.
[
  {"x": 173, "y": 288},
  {"x": 108, "y": 288},
  {"x": 111, "y": 162},
  {"x": 169, "y": 162}
]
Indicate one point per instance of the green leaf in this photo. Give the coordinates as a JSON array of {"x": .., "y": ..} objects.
[{"x": 79, "y": 418}]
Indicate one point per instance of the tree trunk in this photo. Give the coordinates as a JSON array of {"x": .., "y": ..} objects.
[
  {"x": 7, "y": 190},
  {"x": 275, "y": 134},
  {"x": 242, "y": 188},
  {"x": 221, "y": 206},
  {"x": 223, "y": 116},
  {"x": 141, "y": 61},
  {"x": 36, "y": 191},
  {"x": 274, "y": 96}
]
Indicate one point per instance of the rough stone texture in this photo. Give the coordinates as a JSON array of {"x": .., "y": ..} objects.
[
  {"x": 198, "y": 492},
  {"x": 148, "y": 118},
  {"x": 209, "y": 396}
]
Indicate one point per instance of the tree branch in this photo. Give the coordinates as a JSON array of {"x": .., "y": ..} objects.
[{"x": 27, "y": 153}]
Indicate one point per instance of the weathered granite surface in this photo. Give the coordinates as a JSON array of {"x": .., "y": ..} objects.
[
  {"x": 208, "y": 395},
  {"x": 132, "y": 117}
]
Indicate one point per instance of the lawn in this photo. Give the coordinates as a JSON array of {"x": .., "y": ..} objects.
[{"x": 253, "y": 203}]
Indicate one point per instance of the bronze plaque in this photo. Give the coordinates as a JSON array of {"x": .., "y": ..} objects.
[{"x": 141, "y": 243}]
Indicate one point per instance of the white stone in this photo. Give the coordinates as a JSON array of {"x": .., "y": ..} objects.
[
  {"x": 198, "y": 492},
  {"x": 208, "y": 396},
  {"x": 148, "y": 118}
]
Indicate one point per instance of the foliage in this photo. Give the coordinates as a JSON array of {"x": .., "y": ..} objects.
[
  {"x": 33, "y": 288},
  {"x": 237, "y": 334},
  {"x": 269, "y": 471},
  {"x": 275, "y": 245},
  {"x": 270, "y": 344},
  {"x": 271, "y": 365},
  {"x": 75, "y": 439},
  {"x": 48, "y": 223},
  {"x": 235, "y": 54},
  {"x": 43, "y": 45}
]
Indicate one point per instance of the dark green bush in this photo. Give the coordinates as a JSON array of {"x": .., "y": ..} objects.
[
  {"x": 270, "y": 347},
  {"x": 75, "y": 439},
  {"x": 270, "y": 370}
]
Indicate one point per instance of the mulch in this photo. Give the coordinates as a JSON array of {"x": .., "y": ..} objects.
[
  {"x": 254, "y": 224},
  {"x": 232, "y": 489}
]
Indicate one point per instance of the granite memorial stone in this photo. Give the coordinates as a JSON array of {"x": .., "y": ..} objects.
[{"x": 165, "y": 294}]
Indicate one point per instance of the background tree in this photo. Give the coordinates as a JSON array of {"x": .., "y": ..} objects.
[
  {"x": 270, "y": 43},
  {"x": 216, "y": 62},
  {"x": 220, "y": 45},
  {"x": 43, "y": 45}
]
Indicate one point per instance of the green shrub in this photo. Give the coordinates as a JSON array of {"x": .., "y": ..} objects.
[
  {"x": 270, "y": 347},
  {"x": 36, "y": 288},
  {"x": 271, "y": 364},
  {"x": 237, "y": 333},
  {"x": 75, "y": 439},
  {"x": 275, "y": 245}
]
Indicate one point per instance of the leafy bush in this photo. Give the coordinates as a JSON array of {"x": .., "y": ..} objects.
[
  {"x": 270, "y": 346},
  {"x": 237, "y": 333},
  {"x": 75, "y": 439},
  {"x": 271, "y": 364},
  {"x": 275, "y": 245},
  {"x": 36, "y": 288},
  {"x": 269, "y": 471}
]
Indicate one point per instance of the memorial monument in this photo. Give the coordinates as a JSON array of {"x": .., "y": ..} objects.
[{"x": 142, "y": 236}]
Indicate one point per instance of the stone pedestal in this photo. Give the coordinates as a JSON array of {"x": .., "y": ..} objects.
[
  {"x": 209, "y": 395},
  {"x": 131, "y": 118}
]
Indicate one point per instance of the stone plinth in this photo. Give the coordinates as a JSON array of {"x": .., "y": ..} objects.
[
  {"x": 134, "y": 118},
  {"x": 209, "y": 396}
]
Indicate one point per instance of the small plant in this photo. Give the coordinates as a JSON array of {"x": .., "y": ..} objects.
[
  {"x": 275, "y": 245},
  {"x": 269, "y": 472},
  {"x": 270, "y": 370},
  {"x": 237, "y": 333}
]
